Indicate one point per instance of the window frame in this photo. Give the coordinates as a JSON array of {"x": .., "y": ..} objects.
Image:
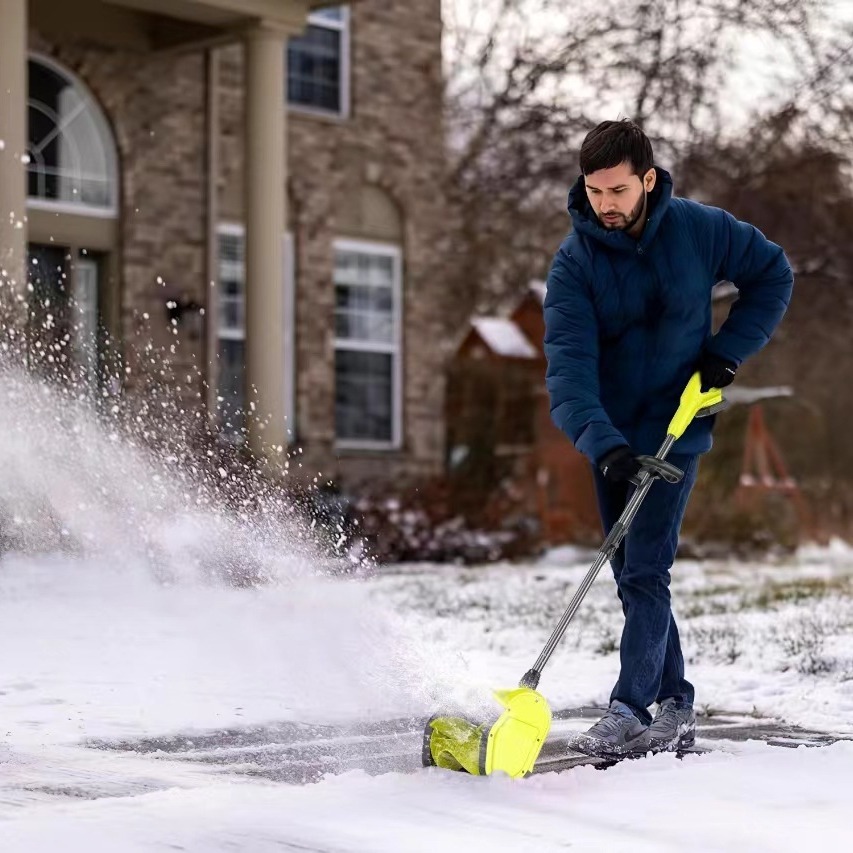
[
  {"x": 237, "y": 229},
  {"x": 316, "y": 19},
  {"x": 395, "y": 348},
  {"x": 109, "y": 141},
  {"x": 88, "y": 268}
]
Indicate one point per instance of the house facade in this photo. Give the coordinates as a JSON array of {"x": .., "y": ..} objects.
[{"x": 250, "y": 190}]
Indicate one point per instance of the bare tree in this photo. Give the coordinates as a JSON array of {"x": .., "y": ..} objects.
[{"x": 528, "y": 78}]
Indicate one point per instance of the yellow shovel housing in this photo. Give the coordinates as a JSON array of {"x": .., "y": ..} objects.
[{"x": 510, "y": 744}]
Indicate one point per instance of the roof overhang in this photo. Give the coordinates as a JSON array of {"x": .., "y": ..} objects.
[
  {"x": 228, "y": 13},
  {"x": 167, "y": 25}
]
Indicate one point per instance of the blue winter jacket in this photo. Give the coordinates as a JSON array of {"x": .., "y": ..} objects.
[{"x": 626, "y": 318}]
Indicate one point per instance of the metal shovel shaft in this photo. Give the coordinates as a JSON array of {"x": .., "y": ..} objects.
[{"x": 608, "y": 549}]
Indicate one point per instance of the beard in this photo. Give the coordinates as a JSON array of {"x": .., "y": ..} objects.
[{"x": 626, "y": 223}]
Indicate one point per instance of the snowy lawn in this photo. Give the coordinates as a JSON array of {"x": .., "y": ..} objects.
[
  {"x": 772, "y": 639},
  {"x": 99, "y": 650}
]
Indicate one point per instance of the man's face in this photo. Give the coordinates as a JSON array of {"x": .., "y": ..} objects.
[{"x": 618, "y": 196}]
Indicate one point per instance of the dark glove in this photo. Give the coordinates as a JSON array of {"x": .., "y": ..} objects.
[
  {"x": 714, "y": 371},
  {"x": 619, "y": 464}
]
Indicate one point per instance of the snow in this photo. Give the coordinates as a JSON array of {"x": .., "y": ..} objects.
[
  {"x": 92, "y": 651},
  {"x": 764, "y": 800},
  {"x": 123, "y": 629},
  {"x": 538, "y": 288},
  {"x": 723, "y": 290},
  {"x": 504, "y": 337},
  {"x": 741, "y": 394}
]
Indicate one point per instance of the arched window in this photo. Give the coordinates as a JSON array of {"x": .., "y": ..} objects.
[{"x": 72, "y": 157}]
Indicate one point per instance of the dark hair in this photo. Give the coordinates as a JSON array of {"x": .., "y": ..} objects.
[{"x": 613, "y": 142}]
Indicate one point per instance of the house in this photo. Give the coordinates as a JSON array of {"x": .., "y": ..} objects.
[{"x": 250, "y": 187}]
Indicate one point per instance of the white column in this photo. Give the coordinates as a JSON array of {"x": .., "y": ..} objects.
[
  {"x": 265, "y": 180},
  {"x": 13, "y": 147}
]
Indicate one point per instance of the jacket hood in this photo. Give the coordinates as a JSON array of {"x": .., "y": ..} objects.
[{"x": 585, "y": 221}]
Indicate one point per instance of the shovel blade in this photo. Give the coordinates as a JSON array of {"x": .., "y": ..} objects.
[
  {"x": 510, "y": 744},
  {"x": 517, "y": 737}
]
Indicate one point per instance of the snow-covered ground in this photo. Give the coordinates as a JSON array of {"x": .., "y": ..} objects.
[
  {"x": 124, "y": 629},
  {"x": 94, "y": 651}
]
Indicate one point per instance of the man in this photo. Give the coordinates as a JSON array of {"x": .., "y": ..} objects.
[{"x": 627, "y": 322}]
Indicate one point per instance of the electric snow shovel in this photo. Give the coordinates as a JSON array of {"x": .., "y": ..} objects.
[{"x": 511, "y": 743}]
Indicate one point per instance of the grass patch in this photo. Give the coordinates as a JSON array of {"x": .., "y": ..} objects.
[
  {"x": 715, "y": 643},
  {"x": 794, "y": 592}
]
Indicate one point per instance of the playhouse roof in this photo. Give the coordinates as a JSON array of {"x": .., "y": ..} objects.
[{"x": 503, "y": 337}]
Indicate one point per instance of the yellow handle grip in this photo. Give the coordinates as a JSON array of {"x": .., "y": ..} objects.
[{"x": 694, "y": 402}]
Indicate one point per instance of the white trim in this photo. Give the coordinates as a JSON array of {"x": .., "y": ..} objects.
[
  {"x": 350, "y": 444},
  {"x": 346, "y": 65},
  {"x": 87, "y": 270},
  {"x": 290, "y": 334},
  {"x": 233, "y": 229},
  {"x": 231, "y": 335},
  {"x": 343, "y": 27},
  {"x": 56, "y": 66},
  {"x": 395, "y": 348},
  {"x": 36, "y": 203},
  {"x": 317, "y": 18},
  {"x": 316, "y": 112},
  {"x": 367, "y": 346},
  {"x": 112, "y": 153},
  {"x": 370, "y": 247}
]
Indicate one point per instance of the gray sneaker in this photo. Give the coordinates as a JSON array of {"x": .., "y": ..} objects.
[
  {"x": 617, "y": 733},
  {"x": 673, "y": 728}
]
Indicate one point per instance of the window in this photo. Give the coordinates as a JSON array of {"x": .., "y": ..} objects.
[
  {"x": 72, "y": 159},
  {"x": 63, "y": 315},
  {"x": 231, "y": 393},
  {"x": 318, "y": 63},
  {"x": 368, "y": 295},
  {"x": 85, "y": 302},
  {"x": 231, "y": 373}
]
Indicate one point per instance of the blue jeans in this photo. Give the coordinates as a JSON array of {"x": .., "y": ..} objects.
[{"x": 652, "y": 666}]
